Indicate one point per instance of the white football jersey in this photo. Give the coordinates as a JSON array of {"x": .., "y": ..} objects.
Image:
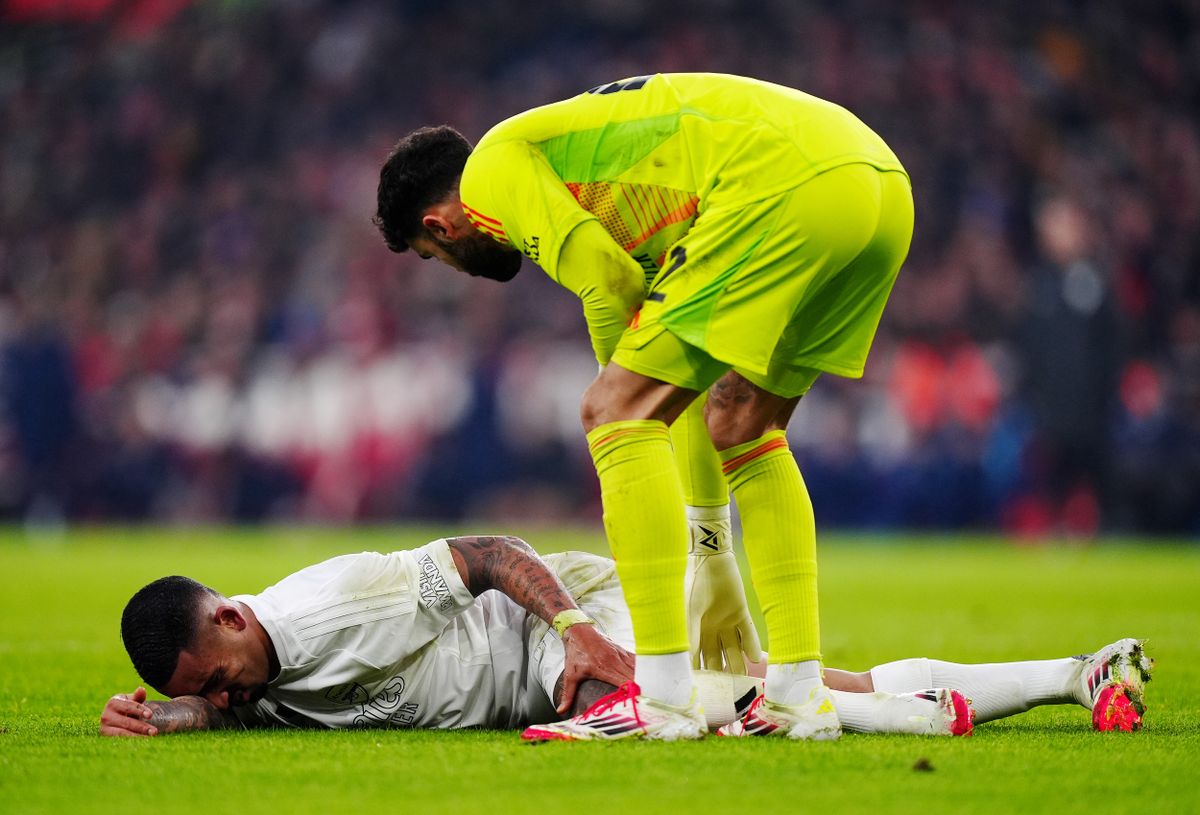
[{"x": 397, "y": 640}]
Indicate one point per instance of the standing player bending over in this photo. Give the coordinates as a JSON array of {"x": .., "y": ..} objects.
[
  {"x": 722, "y": 233},
  {"x": 416, "y": 639}
]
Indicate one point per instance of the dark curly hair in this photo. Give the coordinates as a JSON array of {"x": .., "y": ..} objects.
[
  {"x": 159, "y": 622},
  {"x": 422, "y": 169}
]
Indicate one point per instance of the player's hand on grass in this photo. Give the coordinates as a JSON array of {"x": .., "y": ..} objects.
[
  {"x": 720, "y": 630},
  {"x": 591, "y": 655},
  {"x": 127, "y": 715}
]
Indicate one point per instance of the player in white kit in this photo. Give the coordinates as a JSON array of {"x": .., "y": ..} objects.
[{"x": 417, "y": 639}]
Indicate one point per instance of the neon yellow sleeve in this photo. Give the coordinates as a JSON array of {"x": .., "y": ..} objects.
[
  {"x": 509, "y": 191},
  {"x": 610, "y": 283}
]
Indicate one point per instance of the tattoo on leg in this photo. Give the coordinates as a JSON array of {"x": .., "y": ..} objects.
[{"x": 730, "y": 390}]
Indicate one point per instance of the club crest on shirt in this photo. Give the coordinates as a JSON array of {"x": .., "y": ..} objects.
[
  {"x": 432, "y": 587},
  {"x": 350, "y": 693}
]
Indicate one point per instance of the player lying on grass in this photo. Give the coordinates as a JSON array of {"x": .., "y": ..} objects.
[{"x": 416, "y": 639}]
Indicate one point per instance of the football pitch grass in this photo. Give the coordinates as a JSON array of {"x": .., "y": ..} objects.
[{"x": 882, "y": 598}]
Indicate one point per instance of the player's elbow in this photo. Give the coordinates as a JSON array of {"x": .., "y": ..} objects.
[
  {"x": 513, "y": 542},
  {"x": 481, "y": 559}
]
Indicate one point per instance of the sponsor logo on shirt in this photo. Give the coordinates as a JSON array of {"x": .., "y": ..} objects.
[
  {"x": 432, "y": 586},
  {"x": 533, "y": 247},
  {"x": 385, "y": 708}
]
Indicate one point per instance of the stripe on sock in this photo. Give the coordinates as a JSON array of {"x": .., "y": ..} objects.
[{"x": 759, "y": 451}]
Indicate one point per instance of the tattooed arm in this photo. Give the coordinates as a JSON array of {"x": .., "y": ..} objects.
[
  {"x": 509, "y": 565},
  {"x": 132, "y": 715}
]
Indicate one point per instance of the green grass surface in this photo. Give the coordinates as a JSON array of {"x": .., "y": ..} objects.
[{"x": 965, "y": 600}]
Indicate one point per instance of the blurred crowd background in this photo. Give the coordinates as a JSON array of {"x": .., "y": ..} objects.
[{"x": 198, "y": 322}]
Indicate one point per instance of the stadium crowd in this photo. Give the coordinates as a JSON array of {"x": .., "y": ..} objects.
[{"x": 198, "y": 321}]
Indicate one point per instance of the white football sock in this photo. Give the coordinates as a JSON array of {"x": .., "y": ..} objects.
[
  {"x": 790, "y": 683},
  {"x": 902, "y": 676},
  {"x": 665, "y": 677},
  {"x": 996, "y": 689},
  {"x": 725, "y": 697},
  {"x": 858, "y": 712}
]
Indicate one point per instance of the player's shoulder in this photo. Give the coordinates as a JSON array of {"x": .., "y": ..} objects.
[
  {"x": 495, "y": 168},
  {"x": 494, "y": 154},
  {"x": 546, "y": 122},
  {"x": 350, "y": 574},
  {"x": 591, "y": 108},
  {"x": 521, "y": 128}
]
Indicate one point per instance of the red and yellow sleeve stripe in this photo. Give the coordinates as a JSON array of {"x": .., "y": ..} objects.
[{"x": 483, "y": 223}]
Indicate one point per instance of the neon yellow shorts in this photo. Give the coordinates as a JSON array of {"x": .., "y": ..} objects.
[{"x": 779, "y": 290}]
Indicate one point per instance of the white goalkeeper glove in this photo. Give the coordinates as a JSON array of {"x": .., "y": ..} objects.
[{"x": 720, "y": 631}]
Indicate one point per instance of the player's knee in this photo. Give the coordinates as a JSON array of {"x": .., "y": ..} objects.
[
  {"x": 605, "y": 402},
  {"x": 593, "y": 408},
  {"x": 618, "y": 395},
  {"x": 738, "y": 411},
  {"x": 602, "y": 404},
  {"x": 729, "y": 428}
]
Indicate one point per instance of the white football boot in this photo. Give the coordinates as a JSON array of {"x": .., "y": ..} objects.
[
  {"x": 626, "y": 714},
  {"x": 1112, "y": 684},
  {"x": 816, "y": 719}
]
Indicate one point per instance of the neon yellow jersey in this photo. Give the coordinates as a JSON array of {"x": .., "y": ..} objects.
[{"x": 645, "y": 156}]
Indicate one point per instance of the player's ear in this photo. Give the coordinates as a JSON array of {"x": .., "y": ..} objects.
[
  {"x": 445, "y": 220},
  {"x": 436, "y": 225},
  {"x": 230, "y": 616}
]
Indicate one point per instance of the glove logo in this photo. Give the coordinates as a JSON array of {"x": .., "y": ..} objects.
[{"x": 707, "y": 537}]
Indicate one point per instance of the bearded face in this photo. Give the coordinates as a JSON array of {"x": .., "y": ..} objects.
[{"x": 481, "y": 256}]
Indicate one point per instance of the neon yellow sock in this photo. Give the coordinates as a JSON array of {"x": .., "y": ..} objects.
[
  {"x": 699, "y": 465},
  {"x": 647, "y": 530},
  {"x": 780, "y": 537}
]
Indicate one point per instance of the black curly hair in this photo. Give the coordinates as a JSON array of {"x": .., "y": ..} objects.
[
  {"x": 422, "y": 169},
  {"x": 159, "y": 622}
]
